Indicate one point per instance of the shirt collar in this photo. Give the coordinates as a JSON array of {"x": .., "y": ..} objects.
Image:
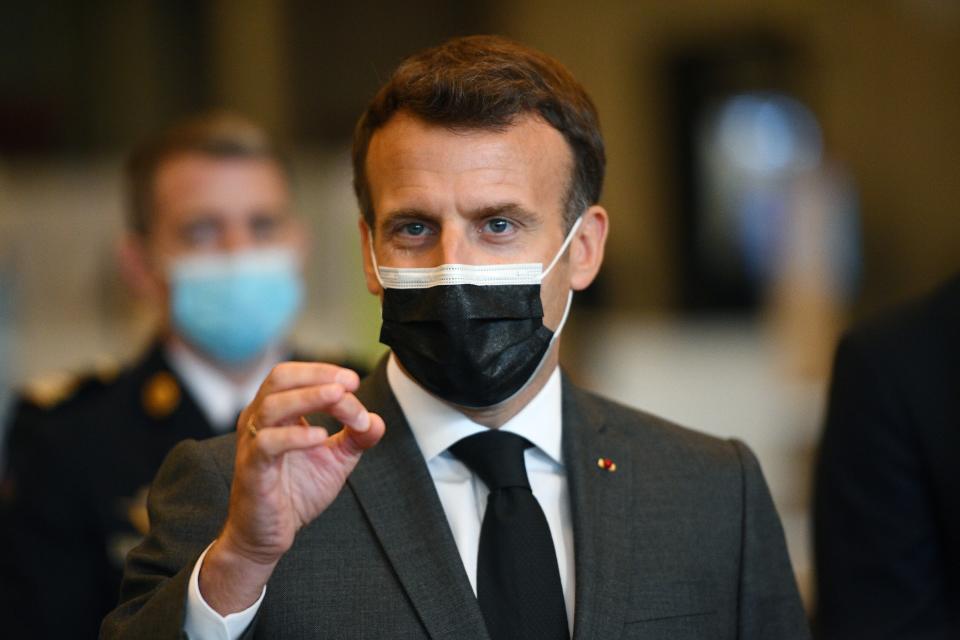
[
  {"x": 436, "y": 425},
  {"x": 219, "y": 398}
]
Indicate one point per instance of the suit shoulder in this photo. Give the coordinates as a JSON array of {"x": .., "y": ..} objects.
[
  {"x": 922, "y": 323},
  {"x": 643, "y": 429},
  {"x": 220, "y": 450},
  {"x": 222, "y": 447},
  {"x": 903, "y": 348}
]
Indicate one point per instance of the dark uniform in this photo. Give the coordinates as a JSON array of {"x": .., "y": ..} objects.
[{"x": 78, "y": 478}]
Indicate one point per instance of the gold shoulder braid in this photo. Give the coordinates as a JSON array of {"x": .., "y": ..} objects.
[{"x": 49, "y": 390}]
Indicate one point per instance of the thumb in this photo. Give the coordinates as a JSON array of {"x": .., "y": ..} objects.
[{"x": 353, "y": 442}]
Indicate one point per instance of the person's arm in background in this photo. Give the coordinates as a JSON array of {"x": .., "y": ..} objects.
[{"x": 879, "y": 563}]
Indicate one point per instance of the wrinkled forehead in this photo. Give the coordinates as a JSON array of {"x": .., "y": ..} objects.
[{"x": 413, "y": 163}]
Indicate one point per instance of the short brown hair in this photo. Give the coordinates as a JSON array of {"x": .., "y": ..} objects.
[
  {"x": 218, "y": 134},
  {"x": 486, "y": 82}
]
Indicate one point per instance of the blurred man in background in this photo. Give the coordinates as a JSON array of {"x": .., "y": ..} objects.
[
  {"x": 887, "y": 503},
  {"x": 213, "y": 242}
]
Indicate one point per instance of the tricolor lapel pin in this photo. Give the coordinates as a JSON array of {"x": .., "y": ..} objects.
[{"x": 608, "y": 464}]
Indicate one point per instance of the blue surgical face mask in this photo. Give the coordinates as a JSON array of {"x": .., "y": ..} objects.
[{"x": 232, "y": 307}]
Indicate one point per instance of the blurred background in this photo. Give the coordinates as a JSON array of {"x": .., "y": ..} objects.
[{"x": 777, "y": 169}]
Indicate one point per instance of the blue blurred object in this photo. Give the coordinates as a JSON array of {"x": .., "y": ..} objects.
[
  {"x": 769, "y": 134},
  {"x": 772, "y": 200},
  {"x": 234, "y": 306}
]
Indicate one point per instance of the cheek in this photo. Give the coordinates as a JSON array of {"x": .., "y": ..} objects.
[
  {"x": 553, "y": 295},
  {"x": 161, "y": 282},
  {"x": 164, "y": 248}
]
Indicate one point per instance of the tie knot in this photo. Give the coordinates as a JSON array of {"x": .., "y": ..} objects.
[{"x": 496, "y": 456}]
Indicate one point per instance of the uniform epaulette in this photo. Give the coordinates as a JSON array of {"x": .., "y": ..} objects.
[
  {"x": 53, "y": 390},
  {"x": 106, "y": 370}
]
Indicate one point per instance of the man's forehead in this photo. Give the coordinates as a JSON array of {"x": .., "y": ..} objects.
[
  {"x": 190, "y": 184},
  {"x": 410, "y": 153},
  {"x": 529, "y": 129},
  {"x": 196, "y": 165}
]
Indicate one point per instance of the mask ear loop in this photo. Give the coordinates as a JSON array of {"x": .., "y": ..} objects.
[
  {"x": 566, "y": 313},
  {"x": 556, "y": 332},
  {"x": 373, "y": 256},
  {"x": 563, "y": 247}
]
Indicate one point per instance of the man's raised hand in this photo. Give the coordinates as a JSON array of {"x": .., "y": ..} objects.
[{"x": 286, "y": 474}]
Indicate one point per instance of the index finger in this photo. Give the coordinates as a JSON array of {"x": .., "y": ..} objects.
[{"x": 292, "y": 375}]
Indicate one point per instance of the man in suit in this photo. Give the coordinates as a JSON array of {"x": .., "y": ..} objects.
[
  {"x": 479, "y": 162},
  {"x": 887, "y": 517},
  {"x": 211, "y": 232}
]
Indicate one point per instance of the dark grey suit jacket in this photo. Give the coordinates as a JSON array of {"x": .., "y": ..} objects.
[{"x": 682, "y": 541}]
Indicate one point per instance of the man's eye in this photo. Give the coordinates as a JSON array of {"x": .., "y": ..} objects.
[
  {"x": 498, "y": 225},
  {"x": 414, "y": 228},
  {"x": 200, "y": 233},
  {"x": 265, "y": 228}
]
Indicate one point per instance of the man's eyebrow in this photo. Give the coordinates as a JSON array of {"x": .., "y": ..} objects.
[
  {"x": 409, "y": 214},
  {"x": 506, "y": 209},
  {"x": 200, "y": 216},
  {"x": 503, "y": 209}
]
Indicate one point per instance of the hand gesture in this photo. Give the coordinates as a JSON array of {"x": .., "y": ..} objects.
[{"x": 287, "y": 472}]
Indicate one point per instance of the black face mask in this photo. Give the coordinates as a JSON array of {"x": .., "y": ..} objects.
[
  {"x": 472, "y": 335},
  {"x": 471, "y": 345}
]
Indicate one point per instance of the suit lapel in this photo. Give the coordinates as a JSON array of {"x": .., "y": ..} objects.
[
  {"x": 600, "y": 506},
  {"x": 397, "y": 494}
]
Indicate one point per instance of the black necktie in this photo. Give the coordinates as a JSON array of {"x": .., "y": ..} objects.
[{"x": 518, "y": 582}]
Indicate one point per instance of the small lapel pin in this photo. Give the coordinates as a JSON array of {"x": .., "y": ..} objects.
[{"x": 608, "y": 464}]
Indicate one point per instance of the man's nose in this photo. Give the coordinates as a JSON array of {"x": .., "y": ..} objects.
[
  {"x": 454, "y": 247},
  {"x": 236, "y": 238}
]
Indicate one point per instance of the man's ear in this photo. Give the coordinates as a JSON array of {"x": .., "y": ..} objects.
[
  {"x": 366, "y": 247},
  {"x": 586, "y": 248},
  {"x": 136, "y": 268}
]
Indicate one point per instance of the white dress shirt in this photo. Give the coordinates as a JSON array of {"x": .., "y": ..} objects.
[
  {"x": 219, "y": 398},
  {"x": 463, "y": 496}
]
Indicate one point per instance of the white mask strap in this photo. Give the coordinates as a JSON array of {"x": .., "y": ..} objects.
[
  {"x": 563, "y": 247},
  {"x": 566, "y": 313},
  {"x": 373, "y": 256}
]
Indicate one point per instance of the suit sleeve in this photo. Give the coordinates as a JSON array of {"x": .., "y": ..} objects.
[
  {"x": 879, "y": 569},
  {"x": 187, "y": 506},
  {"x": 769, "y": 603}
]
